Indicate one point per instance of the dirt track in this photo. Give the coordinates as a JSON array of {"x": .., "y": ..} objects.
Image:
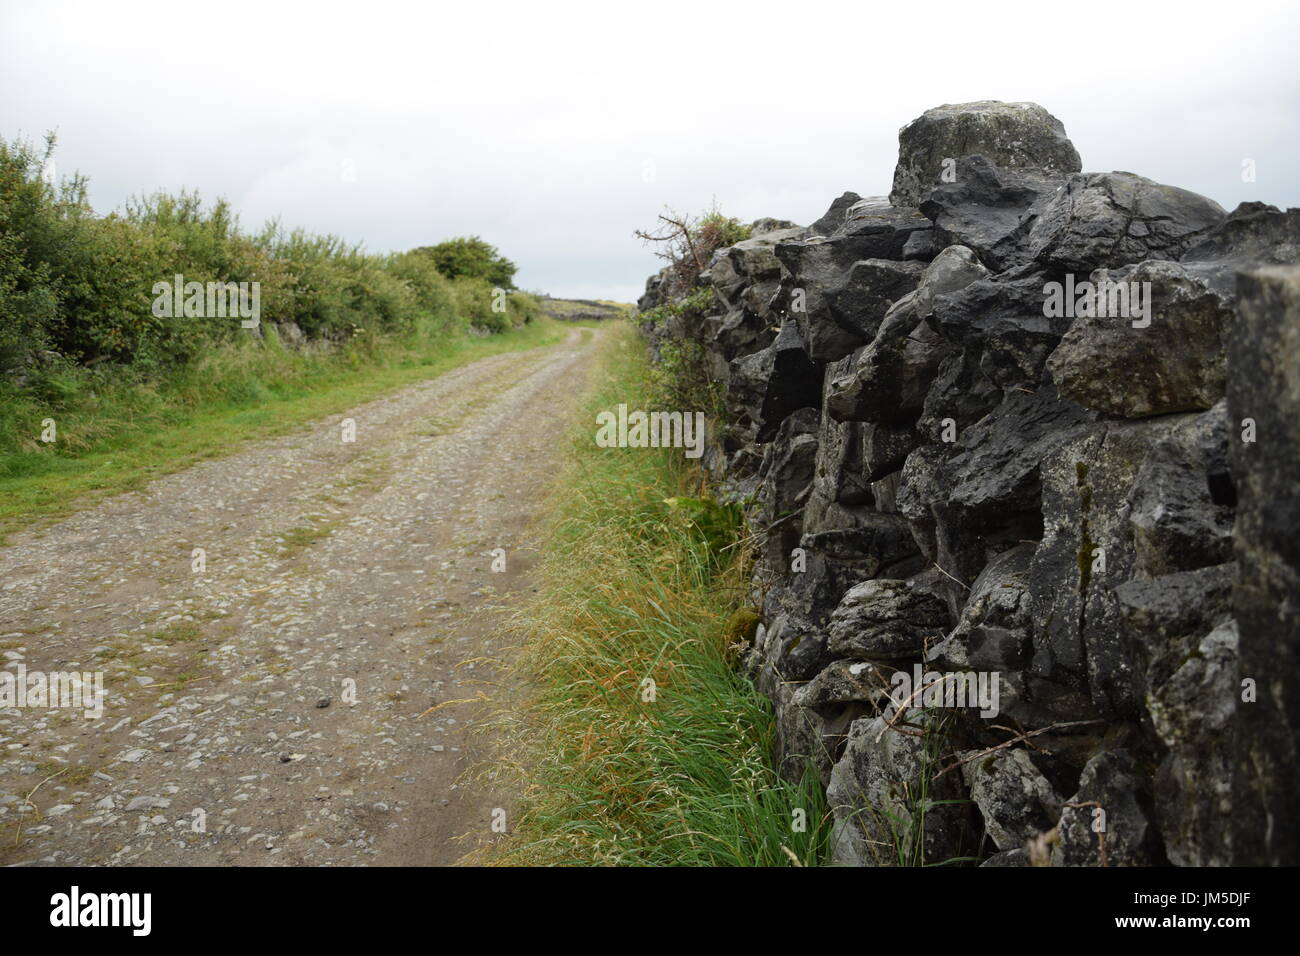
[{"x": 226, "y": 736}]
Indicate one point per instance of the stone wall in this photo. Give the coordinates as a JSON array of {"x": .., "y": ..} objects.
[{"x": 960, "y": 462}]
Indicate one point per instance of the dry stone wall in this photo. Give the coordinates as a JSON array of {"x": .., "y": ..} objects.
[{"x": 1022, "y": 446}]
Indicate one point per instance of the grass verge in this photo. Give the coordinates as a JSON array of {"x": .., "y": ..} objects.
[
  {"x": 116, "y": 437},
  {"x": 635, "y": 741}
]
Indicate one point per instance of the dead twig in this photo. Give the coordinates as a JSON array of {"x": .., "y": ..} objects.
[
  {"x": 18, "y": 830},
  {"x": 1018, "y": 738}
]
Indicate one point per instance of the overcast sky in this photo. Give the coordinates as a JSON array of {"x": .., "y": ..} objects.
[{"x": 555, "y": 129}]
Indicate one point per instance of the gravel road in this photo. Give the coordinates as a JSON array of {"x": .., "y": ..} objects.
[{"x": 270, "y": 705}]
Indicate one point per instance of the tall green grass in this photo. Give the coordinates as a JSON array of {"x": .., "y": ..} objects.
[{"x": 642, "y": 580}]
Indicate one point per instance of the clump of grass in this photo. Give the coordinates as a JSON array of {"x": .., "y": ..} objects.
[
  {"x": 635, "y": 741},
  {"x": 182, "y": 632},
  {"x": 73, "y": 776},
  {"x": 298, "y": 539}
]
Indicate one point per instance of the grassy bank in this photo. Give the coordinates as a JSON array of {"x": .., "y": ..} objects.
[
  {"x": 114, "y": 434},
  {"x": 641, "y": 581}
]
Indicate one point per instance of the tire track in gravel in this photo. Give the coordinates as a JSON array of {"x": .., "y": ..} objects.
[{"x": 227, "y": 737}]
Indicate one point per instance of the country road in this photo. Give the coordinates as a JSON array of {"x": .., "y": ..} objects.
[{"x": 271, "y": 704}]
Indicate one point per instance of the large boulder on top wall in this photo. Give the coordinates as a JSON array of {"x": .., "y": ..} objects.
[
  {"x": 1264, "y": 398},
  {"x": 1101, "y": 220},
  {"x": 1011, "y": 135}
]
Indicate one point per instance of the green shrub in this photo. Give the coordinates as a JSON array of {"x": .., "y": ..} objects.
[
  {"x": 683, "y": 377},
  {"x": 470, "y": 257},
  {"x": 82, "y": 285}
]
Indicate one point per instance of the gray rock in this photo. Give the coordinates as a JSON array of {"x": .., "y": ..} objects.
[
  {"x": 1166, "y": 617},
  {"x": 1112, "y": 783},
  {"x": 785, "y": 481},
  {"x": 747, "y": 378},
  {"x": 290, "y": 334},
  {"x": 1177, "y": 363},
  {"x": 887, "y": 381},
  {"x": 1264, "y": 386},
  {"x": 1016, "y": 801},
  {"x": 1001, "y": 324},
  {"x": 799, "y": 607},
  {"x": 960, "y": 394},
  {"x": 876, "y": 793},
  {"x": 841, "y": 476},
  {"x": 1193, "y": 713},
  {"x": 886, "y": 620},
  {"x": 147, "y": 803},
  {"x": 1086, "y": 552},
  {"x": 745, "y": 278},
  {"x": 878, "y": 545},
  {"x": 1102, "y": 220},
  {"x": 819, "y": 266},
  {"x": 990, "y": 210},
  {"x": 834, "y": 217},
  {"x": 845, "y": 682},
  {"x": 952, "y": 270},
  {"x": 1253, "y": 235},
  {"x": 803, "y": 740},
  {"x": 982, "y": 495},
  {"x": 1182, "y": 502},
  {"x": 995, "y": 631},
  {"x": 885, "y": 449},
  {"x": 793, "y": 383},
  {"x": 1013, "y": 135},
  {"x": 842, "y": 692},
  {"x": 859, "y": 302},
  {"x": 766, "y": 226}
]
